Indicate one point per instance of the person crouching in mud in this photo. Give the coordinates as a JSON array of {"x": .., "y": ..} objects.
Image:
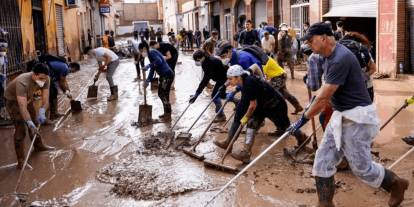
[
  {"x": 159, "y": 65},
  {"x": 258, "y": 101}
]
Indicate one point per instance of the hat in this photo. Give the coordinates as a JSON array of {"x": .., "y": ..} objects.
[
  {"x": 317, "y": 29},
  {"x": 236, "y": 70},
  {"x": 283, "y": 27},
  {"x": 222, "y": 48}
]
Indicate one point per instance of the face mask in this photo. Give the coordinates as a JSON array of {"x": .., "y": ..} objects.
[
  {"x": 226, "y": 61},
  {"x": 2, "y": 54},
  {"x": 40, "y": 83},
  {"x": 198, "y": 63}
]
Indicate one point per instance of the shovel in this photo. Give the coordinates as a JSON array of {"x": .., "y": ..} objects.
[
  {"x": 221, "y": 166},
  {"x": 75, "y": 105},
  {"x": 187, "y": 134},
  {"x": 191, "y": 152},
  {"x": 145, "y": 111},
  {"x": 93, "y": 89}
]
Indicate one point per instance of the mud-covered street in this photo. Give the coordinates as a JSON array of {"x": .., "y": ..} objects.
[{"x": 102, "y": 160}]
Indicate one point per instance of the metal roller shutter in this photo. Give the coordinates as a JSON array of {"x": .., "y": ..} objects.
[
  {"x": 352, "y": 8},
  {"x": 260, "y": 14},
  {"x": 241, "y": 8},
  {"x": 59, "y": 31}
]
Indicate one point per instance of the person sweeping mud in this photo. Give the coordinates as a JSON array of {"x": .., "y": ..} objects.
[
  {"x": 159, "y": 65},
  {"x": 258, "y": 101},
  {"x": 108, "y": 62},
  {"x": 213, "y": 69},
  {"x": 20, "y": 95},
  {"x": 353, "y": 124}
]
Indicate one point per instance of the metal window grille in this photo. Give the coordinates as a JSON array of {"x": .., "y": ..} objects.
[{"x": 10, "y": 21}]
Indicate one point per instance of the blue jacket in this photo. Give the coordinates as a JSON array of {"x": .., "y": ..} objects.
[
  {"x": 159, "y": 65},
  {"x": 244, "y": 59}
]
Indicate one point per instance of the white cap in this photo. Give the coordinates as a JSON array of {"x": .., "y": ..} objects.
[{"x": 236, "y": 70}]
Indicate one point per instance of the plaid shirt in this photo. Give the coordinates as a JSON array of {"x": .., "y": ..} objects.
[{"x": 315, "y": 72}]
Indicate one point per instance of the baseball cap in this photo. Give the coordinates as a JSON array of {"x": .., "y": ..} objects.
[
  {"x": 236, "y": 70},
  {"x": 317, "y": 29}
]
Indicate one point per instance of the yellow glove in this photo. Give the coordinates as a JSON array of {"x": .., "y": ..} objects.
[
  {"x": 410, "y": 100},
  {"x": 244, "y": 120}
]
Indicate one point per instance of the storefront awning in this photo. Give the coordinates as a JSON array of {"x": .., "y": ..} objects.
[{"x": 363, "y": 9}]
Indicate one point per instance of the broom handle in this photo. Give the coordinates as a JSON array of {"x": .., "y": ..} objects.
[
  {"x": 401, "y": 158},
  {"x": 395, "y": 114},
  {"x": 26, "y": 159},
  {"x": 209, "y": 125},
  {"x": 182, "y": 114},
  {"x": 285, "y": 135},
  {"x": 235, "y": 136},
  {"x": 314, "y": 141},
  {"x": 228, "y": 120},
  {"x": 145, "y": 89},
  {"x": 205, "y": 109}
]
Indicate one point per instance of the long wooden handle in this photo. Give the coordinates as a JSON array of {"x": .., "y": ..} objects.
[
  {"x": 235, "y": 136},
  {"x": 145, "y": 89}
]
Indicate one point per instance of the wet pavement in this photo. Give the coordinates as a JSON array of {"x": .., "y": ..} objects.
[{"x": 101, "y": 160}]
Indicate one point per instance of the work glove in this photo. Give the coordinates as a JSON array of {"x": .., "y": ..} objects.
[
  {"x": 244, "y": 120},
  {"x": 146, "y": 67},
  {"x": 68, "y": 94},
  {"x": 193, "y": 98},
  {"x": 146, "y": 83},
  {"x": 30, "y": 124},
  {"x": 298, "y": 124},
  {"x": 41, "y": 118},
  {"x": 410, "y": 100}
]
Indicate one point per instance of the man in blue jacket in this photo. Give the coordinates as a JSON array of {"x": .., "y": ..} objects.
[{"x": 159, "y": 65}]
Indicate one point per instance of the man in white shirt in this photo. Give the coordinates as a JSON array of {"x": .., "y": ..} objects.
[
  {"x": 108, "y": 61},
  {"x": 268, "y": 43}
]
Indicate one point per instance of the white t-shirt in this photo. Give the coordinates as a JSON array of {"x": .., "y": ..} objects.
[
  {"x": 268, "y": 45},
  {"x": 100, "y": 51}
]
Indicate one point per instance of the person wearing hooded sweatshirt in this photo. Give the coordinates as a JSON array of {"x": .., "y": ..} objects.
[{"x": 160, "y": 66}]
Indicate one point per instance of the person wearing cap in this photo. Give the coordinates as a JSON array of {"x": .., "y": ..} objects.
[
  {"x": 353, "y": 124},
  {"x": 285, "y": 43},
  {"x": 232, "y": 56},
  {"x": 20, "y": 95},
  {"x": 258, "y": 101},
  {"x": 215, "y": 70},
  {"x": 159, "y": 65},
  {"x": 268, "y": 43}
]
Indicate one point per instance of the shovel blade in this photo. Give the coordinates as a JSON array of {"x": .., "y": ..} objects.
[
  {"x": 184, "y": 135},
  {"x": 145, "y": 115},
  {"x": 221, "y": 166},
  {"x": 75, "y": 105},
  {"x": 92, "y": 91},
  {"x": 194, "y": 154}
]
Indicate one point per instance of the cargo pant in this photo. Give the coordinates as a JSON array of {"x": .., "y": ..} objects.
[
  {"x": 279, "y": 84},
  {"x": 356, "y": 147},
  {"x": 111, "y": 68},
  {"x": 19, "y": 125},
  {"x": 164, "y": 88}
]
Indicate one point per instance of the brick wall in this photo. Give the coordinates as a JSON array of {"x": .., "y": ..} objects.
[{"x": 140, "y": 12}]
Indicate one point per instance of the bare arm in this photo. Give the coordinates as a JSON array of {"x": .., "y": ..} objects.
[
  {"x": 321, "y": 100},
  {"x": 168, "y": 55},
  {"x": 63, "y": 83},
  {"x": 22, "y": 102},
  {"x": 251, "y": 109},
  {"x": 45, "y": 98},
  {"x": 256, "y": 70}
]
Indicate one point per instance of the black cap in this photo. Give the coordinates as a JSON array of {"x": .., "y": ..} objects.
[
  {"x": 317, "y": 29},
  {"x": 222, "y": 48}
]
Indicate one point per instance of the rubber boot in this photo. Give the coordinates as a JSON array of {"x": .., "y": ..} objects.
[
  {"x": 114, "y": 93},
  {"x": 40, "y": 147},
  {"x": 54, "y": 114},
  {"x": 396, "y": 186},
  {"x": 225, "y": 143},
  {"x": 167, "y": 112},
  {"x": 298, "y": 107},
  {"x": 325, "y": 187},
  {"x": 245, "y": 151},
  {"x": 220, "y": 118},
  {"x": 19, "y": 147},
  {"x": 301, "y": 138}
]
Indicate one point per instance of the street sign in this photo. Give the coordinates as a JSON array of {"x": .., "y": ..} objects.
[{"x": 104, "y": 7}]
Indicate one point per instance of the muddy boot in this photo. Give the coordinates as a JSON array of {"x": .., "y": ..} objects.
[
  {"x": 114, "y": 93},
  {"x": 40, "y": 147},
  {"x": 325, "y": 187},
  {"x": 19, "y": 155},
  {"x": 301, "y": 138},
  {"x": 396, "y": 186},
  {"x": 298, "y": 108},
  {"x": 220, "y": 118},
  {"x": 244, "y": 152},
  {"x": 223, "y": 143},
  {"x": 54, "y": 114},
  {"x": 167, "y": 113}
]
